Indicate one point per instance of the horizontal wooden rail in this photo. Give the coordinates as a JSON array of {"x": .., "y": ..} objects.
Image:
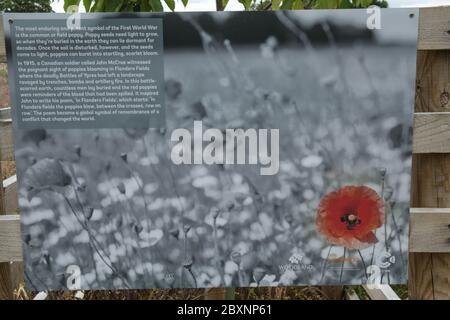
[
  {"x": 431, "y": 132},
  {"x": 381, "y": 292},
  {"x": 434, "y": 28},
  {"x": 11, "y": 204},
  {"x": 2, "y": 42},
  {"x": 6, "y": 140},
  {"x": 10, "y": 241},
  {"x": 5, "y": 114},
  {"x": 430, "y": 230}
]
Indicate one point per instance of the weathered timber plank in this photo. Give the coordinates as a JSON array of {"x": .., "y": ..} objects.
[
  {"x": 2, "y": 42},
  {"x": 432, "y": 81},
  {"x": 431, "y": 189},
  {"x": 10, "y": 199},
  {"x": 6, "y": 141},
  {"x": 10, "y": 241},
  {"x": 431, "y": 132},
  {"x": 430, "y": 230},
  {"x": 381, "y": 292},
  {"x": 5, "y": 114},
  {"x": 434, "y": 28},
  {"x": 430, "y": 176}
]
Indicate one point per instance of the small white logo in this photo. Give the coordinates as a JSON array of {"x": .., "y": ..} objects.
[
  {"x": 296, "y": 258},
  {"x": 74, "y": 20},
  {"x": 374, "y": 19},
  {"x": 386, "y": 260},
  {"x": 73, "y": 281},
  {"x": 374, "y": 279}
]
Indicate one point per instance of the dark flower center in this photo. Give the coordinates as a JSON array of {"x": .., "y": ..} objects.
[{"x": 351, "y": 220}]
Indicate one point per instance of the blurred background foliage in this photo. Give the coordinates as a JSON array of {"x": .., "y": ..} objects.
[
  {"x": 25, "y": 6},
  {"x": 156, "y": 5}
]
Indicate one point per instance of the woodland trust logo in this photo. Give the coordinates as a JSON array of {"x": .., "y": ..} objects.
[{"x": 229, "y": 146}]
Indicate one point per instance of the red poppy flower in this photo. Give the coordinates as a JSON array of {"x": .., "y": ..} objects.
[{"x": 348, "y": 217}]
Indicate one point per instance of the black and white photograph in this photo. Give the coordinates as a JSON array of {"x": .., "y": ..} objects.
[{"x": 284, "y": 159}]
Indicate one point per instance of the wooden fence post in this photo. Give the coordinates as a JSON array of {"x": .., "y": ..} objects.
[
  {"x": 6, "y": 290},
  {"x": 429, "y": 258}
]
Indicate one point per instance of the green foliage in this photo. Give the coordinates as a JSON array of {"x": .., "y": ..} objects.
[
  {"x": 170, "y": 4},
  {"x": 123, "y": 5},
  {"x": 87, "y": 4},
  {"x": 224, "y": 3},
  {"x": 25, "y": 6},
  {"x": 157, "y": 5},
  {"x": 325, "y": 4},
  {"x": 317, "y": 4},
  {"x": 69, "y": 3},
  {"x": 246, "y": 3}
]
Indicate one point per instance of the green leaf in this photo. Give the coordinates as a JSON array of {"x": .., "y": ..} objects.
[
  {"x": 345, "y": 4},
  {"x": 224, "y": 3},
  {"x": 365, "y": 3},
  {"x": 287, "y": 5},
  {"x": 276, "y": 4},
  {"x": 145, "y": 6},
  {"x": 297, "y": 5},
  {"x": 87, "y": 5},
  {"x": 68, "y": 3},
  {"x": 156, "y": 5},
  {"x": 247, "y": 4},
  {"x": 129, "y": 7},
  {"x": 99, "y": 6},
  {"x": 170, "y": 4},
  {"x": 113, "y": 5},
  {"x": 185, "y": 2},
  {"x": 326, "y": 4}
]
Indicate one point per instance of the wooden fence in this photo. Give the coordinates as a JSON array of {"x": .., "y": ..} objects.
[{"x": 429, "y": 247}]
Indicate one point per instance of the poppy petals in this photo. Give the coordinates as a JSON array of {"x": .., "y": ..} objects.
[
  {"x": 349, "y": 216},
  {"x": 368, "y": 238}
]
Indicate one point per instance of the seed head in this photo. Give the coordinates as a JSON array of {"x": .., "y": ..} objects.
[
  {"x": 188, "y": 262},
  {"x": 78, "y": 150},
  {"x": 236, "y": 257},
  {"x": 258, "y": 274},
  {"x": 89, "y": 213},
  {"x": 186, "y": 228},
  {"x": 388, "y": 193},
  {"x": 121, "y": 188}
]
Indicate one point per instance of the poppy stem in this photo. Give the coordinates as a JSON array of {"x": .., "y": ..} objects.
[
  {"x": 94, "y": 243},
  {"x": 216, "y": 252},
  {"x": 385, "y": 226},
  {"x": 342, "y": 266},
  {"x": 364, "y": 264},
  {"x": 324, "y": 268},
  {"x": 397, "y": 232}
]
